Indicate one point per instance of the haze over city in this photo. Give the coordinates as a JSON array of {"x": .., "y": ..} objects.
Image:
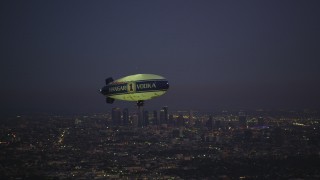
[
  {"x": 236, "y": 84},
  {"x": 55, "y": 55}
]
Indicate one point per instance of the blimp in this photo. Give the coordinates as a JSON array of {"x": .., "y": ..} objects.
[{"x": 138, "y": 87}]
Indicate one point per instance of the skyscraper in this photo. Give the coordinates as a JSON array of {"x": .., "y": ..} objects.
[
  {"x": 165, "y": 108},
  {"x": 125, "y": 116},
  {"x": 140, "y": 117},
  {"x": 191, "y": 120},
  {"x": 116, "y": 116},
  {"x": 155, "y": 117},
  {"x": 145, "y": 118},
  {"x": 171, "y": 120},
  {"x": 164, "y": 115},
  {"x": 134, "y": 120}
]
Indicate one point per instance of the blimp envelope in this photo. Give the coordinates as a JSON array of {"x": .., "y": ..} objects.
[{"x": 138, "y": 87}]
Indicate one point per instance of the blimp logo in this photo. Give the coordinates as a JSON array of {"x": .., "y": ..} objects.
[
  {"x": 138, "y": 87},
  {"x": 131, "y": 87}
]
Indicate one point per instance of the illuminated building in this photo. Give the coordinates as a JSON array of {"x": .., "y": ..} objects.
[{"x": 164, "y": 115}]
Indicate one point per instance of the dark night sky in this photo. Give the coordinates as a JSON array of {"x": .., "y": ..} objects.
[{"x": 55, "y": 55}]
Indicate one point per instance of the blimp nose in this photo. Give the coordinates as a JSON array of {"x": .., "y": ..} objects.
[
  {"x": 166, "y": 86},
  {"x": 103, "y": 91}
]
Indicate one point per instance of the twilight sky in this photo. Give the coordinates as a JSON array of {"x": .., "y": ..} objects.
[{"x": 225, "y": 54}]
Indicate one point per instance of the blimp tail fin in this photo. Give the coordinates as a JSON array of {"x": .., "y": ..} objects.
[
  {"x": 109, "y": 80},
  {"x": 109, "y": 100}
]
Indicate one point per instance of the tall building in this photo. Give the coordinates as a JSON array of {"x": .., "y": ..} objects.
[
  {"x": 125, "y": 117},
  {"x": 145, "y": 118},
  {"x": 171, "y": 120},
  {"x": 155, "y": 117},
  {"x": 140, "y": 117},
  {"x": 116, "y": 116},
  {"x": 242, "y": 119},
  {"x": 164, "y": 115},
  {"x": 191, "y": 120},
  {"x": 135, "y": 120}
]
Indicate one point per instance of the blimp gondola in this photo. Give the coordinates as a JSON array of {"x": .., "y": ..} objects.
[{"x": 138, "y": 87}]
